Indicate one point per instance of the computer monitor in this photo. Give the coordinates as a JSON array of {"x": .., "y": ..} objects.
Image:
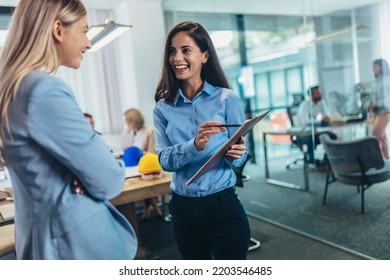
[{"x": 118, "y": 142}]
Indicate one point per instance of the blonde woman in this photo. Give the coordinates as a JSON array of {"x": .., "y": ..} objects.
[
  {"x": 62, "y": 172},
  {"x": 144, "y": 138}
]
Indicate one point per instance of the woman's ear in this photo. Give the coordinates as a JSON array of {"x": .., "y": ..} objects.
[
  {"x": 57, "y": 31},
  {"x": 206, "y": 57}
]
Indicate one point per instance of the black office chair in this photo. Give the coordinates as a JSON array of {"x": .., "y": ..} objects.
[
  {"x": 358, "y": 163},
  {"x": 292, "y": 112},
  {"x": 241, "y": 178}
]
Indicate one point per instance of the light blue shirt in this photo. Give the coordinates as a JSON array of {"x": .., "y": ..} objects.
[
  {"x": 308, "y": 112},
  {"x": 50, "y": 142},
  {"x": 177, "y": 126}
]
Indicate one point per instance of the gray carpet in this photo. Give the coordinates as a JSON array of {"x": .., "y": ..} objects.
[
  {"x": 277, "y": 243},
  {"x": 338, "y": 222},
  {"x": 294, "y": 225},
  {"x": 280, "y": 243}
]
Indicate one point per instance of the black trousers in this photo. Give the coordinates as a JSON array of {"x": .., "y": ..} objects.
[{"x": 211, "y": 227}]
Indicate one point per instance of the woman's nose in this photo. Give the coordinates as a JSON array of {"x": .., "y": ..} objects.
[{"x": 178, "y": 56}]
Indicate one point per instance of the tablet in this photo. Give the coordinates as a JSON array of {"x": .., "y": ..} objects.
[{"x": 220, "y": 154}]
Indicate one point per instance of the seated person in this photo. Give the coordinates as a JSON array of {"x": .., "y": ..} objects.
[
  {"x": 313, "y": 111},
  {"x": 89, "y": 118},
  {"x": 144, "y": 139}
]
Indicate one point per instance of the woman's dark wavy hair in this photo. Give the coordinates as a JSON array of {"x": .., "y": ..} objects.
[
  {"x": 211, "y": 71},
  {"x": 382, "y": 63}
]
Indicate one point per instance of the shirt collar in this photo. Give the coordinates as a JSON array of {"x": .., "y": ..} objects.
[{"x": 207, "y": 88}]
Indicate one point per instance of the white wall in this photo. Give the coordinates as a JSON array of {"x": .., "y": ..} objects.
[
  {"x": 123, "y": 74},
  {"x": 148, "y": 37}
]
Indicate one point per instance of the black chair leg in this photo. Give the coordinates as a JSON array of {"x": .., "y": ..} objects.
[
  {"x": 326, "y": 187},
  {"x": 325, "y": 193},
  {"x": 362, "y": 191}
]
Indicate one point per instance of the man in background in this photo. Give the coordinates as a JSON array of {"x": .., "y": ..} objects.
[{"x": 313, "y": 111}]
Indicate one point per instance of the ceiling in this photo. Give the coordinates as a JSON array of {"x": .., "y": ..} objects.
[
  {"x": 91, "y": 4},
  {"x": 276, "y": 7}
]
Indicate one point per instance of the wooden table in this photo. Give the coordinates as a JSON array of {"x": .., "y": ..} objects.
[
  {"x": 7, "y": 239},
  {"x": 134, "y": 189}
]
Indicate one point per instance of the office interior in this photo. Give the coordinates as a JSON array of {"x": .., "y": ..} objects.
[{"x": 272, "y": 53}]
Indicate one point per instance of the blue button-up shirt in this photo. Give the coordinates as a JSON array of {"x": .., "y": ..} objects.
[{"x": 177, "y": 126}]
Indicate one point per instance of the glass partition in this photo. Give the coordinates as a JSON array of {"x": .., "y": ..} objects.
[{"x": 332, "y": 47}]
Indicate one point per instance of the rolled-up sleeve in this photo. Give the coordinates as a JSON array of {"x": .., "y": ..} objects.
[{"x": 171, "y": 157}]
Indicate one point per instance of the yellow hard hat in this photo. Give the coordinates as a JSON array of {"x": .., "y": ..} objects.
[{"x": 149, "y": 164}]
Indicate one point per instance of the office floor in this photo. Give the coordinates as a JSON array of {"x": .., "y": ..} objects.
[
  {"x": 277, "y": 243},
  {"x": 294, "y": 225},
  {"x": 338, "y": 222},
  {"x": 338, "y": 226}
]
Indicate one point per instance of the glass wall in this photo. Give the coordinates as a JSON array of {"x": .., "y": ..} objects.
[{"x": 288, "y": 54}]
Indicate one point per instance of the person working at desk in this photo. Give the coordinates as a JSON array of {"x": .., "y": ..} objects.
[
  {"x": 313, "y": 111},
  {"x": 145, "y": 140},
  {"x": 379, "y": 104},
  {"x": 193, "y": 100},
  {"x": 91, "y": 121},
  {"x": 62, "y": 172}
]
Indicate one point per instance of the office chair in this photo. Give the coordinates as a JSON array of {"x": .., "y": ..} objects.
[
  {"x": 292, "y": 112},
  {"x": 241, "y": 178},
  {"x": 357, "y": 163}
]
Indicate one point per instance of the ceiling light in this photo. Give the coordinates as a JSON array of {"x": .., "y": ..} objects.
[{"x": 101, "y": 35}]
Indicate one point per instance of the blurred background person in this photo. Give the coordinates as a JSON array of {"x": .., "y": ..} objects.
[
  {"x": 145, "y": 140},
  {"x": 89, "y": 118},
  {"x": 313, "y": 111},
  {"x": 379, "y": 104}
]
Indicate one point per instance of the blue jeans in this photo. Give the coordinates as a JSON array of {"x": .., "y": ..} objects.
[{"x": 215, "y": 226}]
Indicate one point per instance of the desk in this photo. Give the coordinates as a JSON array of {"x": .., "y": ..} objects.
[
  {"x": 7, "y": 239},
  {"x": 134, "y": 189},
  {"x": 301, "y": 133},
  {"x": 269, "y": 180}
]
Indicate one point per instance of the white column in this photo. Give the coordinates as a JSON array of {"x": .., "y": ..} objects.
[{"x": 140, "y": 56}]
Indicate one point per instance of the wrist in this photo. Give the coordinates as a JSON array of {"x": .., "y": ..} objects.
[{"x": 195, "y": 144}]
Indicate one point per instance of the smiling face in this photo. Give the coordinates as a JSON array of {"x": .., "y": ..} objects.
[
  {"x": 186, "y": 58},
  {"x": 71, "y": 42}
]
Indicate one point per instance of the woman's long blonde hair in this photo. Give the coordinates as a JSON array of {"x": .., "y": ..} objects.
[{"x": 30, "y": 45}]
